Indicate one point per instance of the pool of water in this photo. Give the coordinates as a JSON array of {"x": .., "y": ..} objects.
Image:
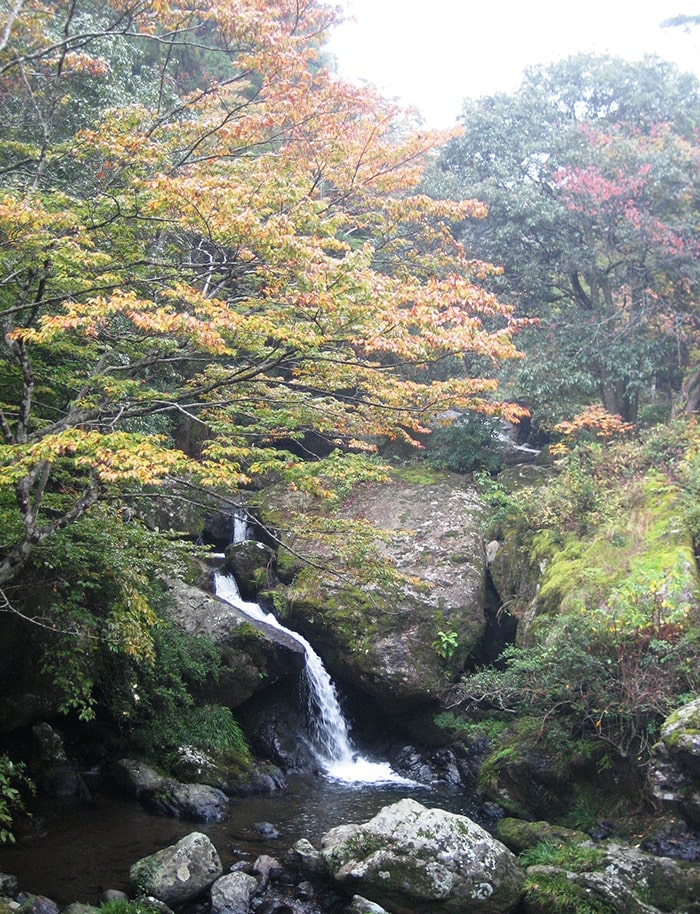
[{"x": 82, "y": 850}]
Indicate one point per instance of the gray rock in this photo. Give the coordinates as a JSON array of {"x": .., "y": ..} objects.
[
  {"x": 410, "y": 857},
  {"x": 626, "y": 881},
  {"x": 254, "y": 654},
  {"x": 383, "y": 641},
  {"x": 52, "y": 771},
  {"x": 131, "y": 777},
  {"x": 78, "y": 907},
  {"x": 36, "y": 904},
  {"x": 178, "y": 873},
  {"x": 194, "y": 802},
  {"x": 675, "y": 772},
  {"x": 248, "y": 562},
  {"x": 232, "y": 894},
  {"x": 360, "y": 905},
  {"x": 304, "y": 857}
]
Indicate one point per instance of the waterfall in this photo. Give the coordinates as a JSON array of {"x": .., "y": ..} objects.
[{"x": 329, "y": 733}]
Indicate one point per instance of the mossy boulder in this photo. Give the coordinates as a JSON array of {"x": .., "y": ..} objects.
[
  {"x": 675, "y": 771},
  {"x": 401, "y": 640},
  {"x": 519, "y": 835},
  {"x": 413, "y": 859},
  {"x": 624, "y": 880},
  {"x": 179, "y": 873}
]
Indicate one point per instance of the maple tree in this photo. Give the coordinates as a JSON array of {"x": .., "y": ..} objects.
[
  {"x": 590, "y": 172},
  {"x": 202, "y": 229}
]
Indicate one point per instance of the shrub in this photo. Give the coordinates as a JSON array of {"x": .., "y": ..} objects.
[
  {"x": 613, "y": 682},
  {"x": 12, "y": 781},
  {"x": 467, "y": 444}
]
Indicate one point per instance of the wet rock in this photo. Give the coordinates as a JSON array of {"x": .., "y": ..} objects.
[
  {"x": 305, "y": 891},
  {"x": 232, "y": 894},
  {"x": 52, "y": 771},
  {"x": 306, "y": 859},
  {"x": 673, "y": 838},
  {"x": 274, "y": 721},
  {"x": 250, "y": 563},
  {"x": 254, "y": 654},
  {"x": 179, "y": 873},
  {"x": 36, "y": 904},
  {"x": 274, "y": 906},
  {"x": 227, "y": 770},
  {"x": 414, "y": 858},
  {"x": 266, "y": 868},
  {"x": 265, "y": 831},
  {"x": 194, "y": 802}
]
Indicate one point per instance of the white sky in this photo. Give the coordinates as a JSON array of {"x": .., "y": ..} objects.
[{"x": 434, "y": 53}]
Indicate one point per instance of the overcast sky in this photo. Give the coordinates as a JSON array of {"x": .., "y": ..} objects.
[{"x": 434, "y": 53}]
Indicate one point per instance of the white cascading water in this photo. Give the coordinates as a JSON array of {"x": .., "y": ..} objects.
[{"x": 330, "y": 740}]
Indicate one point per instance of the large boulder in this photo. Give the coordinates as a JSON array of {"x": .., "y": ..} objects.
[
  {"x": 675, "y": 772},
  {"x": 402, "y": 642},
  {"x": 179, "y": 873},
  {"x": 412, "y": 859},
  {"x": 254, "y": 654}
]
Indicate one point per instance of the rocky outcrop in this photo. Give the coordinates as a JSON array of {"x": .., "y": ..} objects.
[
  {"x": 400, "y": 643},
  {"x": 413, "y": 859},
  {"x": 253, "y": 654},
  {"x": 624, "y": 881},
  {"x": 675, "y": 773},
  {"x": 177, "y": 874}
]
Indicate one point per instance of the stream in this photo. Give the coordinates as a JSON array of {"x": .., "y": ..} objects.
[
  {"x": 87, "y": 848},
  {"x": 78, "y": 851}
]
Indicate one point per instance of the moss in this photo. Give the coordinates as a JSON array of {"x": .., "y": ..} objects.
[
  {"x": 418, "y": 474},
  {"x": 519, "y": 835},
  {"x": 552, "y": 892}
]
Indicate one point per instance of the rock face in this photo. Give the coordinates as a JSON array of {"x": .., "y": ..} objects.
[
  {"x": 413, "y": 859},
  {"x": 177, "y": 874},
  {"x": 387, "y": 643},
  {"x": 254, "y": 654},
  {"x": 676, "y": 765}
]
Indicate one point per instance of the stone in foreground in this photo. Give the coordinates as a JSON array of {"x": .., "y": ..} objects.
[
  {"x": 179, "y": 873},
  {"x": 412, "y": 859}
]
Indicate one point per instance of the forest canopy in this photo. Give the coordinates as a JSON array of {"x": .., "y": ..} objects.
[{"x": 210, "y": 250}]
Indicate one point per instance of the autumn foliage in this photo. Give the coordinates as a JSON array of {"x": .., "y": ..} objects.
[{"x": 202, "y": 229}]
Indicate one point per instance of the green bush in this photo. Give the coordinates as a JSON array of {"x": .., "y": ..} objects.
[
  {"x": 596, "y": 679},
  {"x": 12, "y": 782},
  {"x": 468, "y": 444}
]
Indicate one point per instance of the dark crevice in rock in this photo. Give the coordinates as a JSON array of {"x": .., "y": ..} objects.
[{"x": 500, "y": 628}]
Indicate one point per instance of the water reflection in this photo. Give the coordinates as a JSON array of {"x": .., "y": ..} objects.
[{"x": 89, "y": 848}]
